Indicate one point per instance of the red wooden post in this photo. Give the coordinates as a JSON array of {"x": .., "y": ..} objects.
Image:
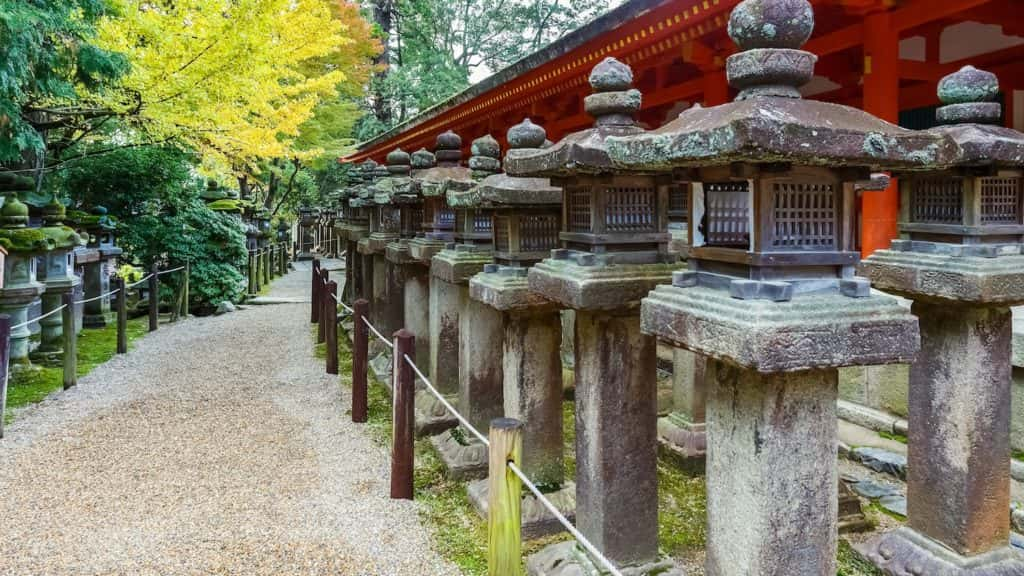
[
  {"x": 360, "y": 358},
  {"x": 404, "y": 425},
  {"x": 332, "y": 327},
  {"x": 321, "y": 328},
  {"x": 122, "y": 315},
  {"x": 154, "y": 298},
  {"x": 5, "y": 358},
  {"x": 315, "y": 292}
]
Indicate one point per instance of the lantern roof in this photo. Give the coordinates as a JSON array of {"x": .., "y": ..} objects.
[
  {"x": 612, "y": 105},
  {"x": 433, "y": 181},
  {"x": 398, "y": 184},
  {"x": 769, "y": 121}
]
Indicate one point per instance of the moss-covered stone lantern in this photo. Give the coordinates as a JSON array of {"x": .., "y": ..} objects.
[
  {"x": 362, "y": 206},
  {"x": 771, "y": 298},
  {"x": 507, "y": 325},
  {"x": 23, "y": 244},
  {"x": 438, "y": 228},
  {"x": 614, "y": 236},
  {"x": 961, "y": 261},
  {"x": 58, "y": 275},
  {"x": 102, "y": 231}
]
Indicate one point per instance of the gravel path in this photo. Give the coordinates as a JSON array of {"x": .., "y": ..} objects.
[{"x": 217, "y": 446}]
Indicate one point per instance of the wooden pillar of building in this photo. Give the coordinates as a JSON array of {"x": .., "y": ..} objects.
[{"x": 880, "y": 210}]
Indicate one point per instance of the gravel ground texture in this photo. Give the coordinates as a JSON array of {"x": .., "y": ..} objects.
[{"x": 217, "y": 446}]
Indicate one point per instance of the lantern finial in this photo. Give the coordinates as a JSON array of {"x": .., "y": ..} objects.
[
  {"x": 968, "y": 97},
  {"x": 448, "y": 148},
  {"x": 614, "y": 100},
  {"x": 423, "y": 159},
  {"x": 526, "y": 135},
  {"x": 770, "y": 34},
  {"x": 485, "y": 159},
  {"x": 399, "y": 162}
]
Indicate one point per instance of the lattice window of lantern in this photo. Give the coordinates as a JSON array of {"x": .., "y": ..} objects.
[
  {"x": 937, "y": 201},
  {"x": 629, "y": 210},
  {"x": 679, "y": 203},
  {"x": 481, "y": 223},
  {"x": 804, "y": 215},
  {"x": 445, "y": 216},
  {"x": 578, "y": 198},
  {"x": 538, "y": 232},
  {"x": 502, "y": 234},
  {"x": 727, "y": 214},
  {"x": 1000, "y": 201}
]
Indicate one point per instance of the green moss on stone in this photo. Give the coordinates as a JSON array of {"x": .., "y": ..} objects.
[{"x": 226, "y": 205}]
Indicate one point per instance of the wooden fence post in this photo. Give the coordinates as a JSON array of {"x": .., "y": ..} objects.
[
  {"x": 122, "y": 315},
  {"x": 251, "y": 273},
  {"x": 321, "y": 328},
  {"x": 154, "y": 298},
  {"x": 5, "y": 368},
  {"x": 272, "y": 259},
  {"x": 70, "y": 340},
  {"x": 331, "y": 308},
  {"x": 284, "y": 258},
  {"x": 404, "y": 426},
  {"x": 504, "y": 498},
  {"x": 314, "y": 295},
  {"x": 185, "y": 289},
  {"x": 266, "y": 266},
  {"x": 360, "y": 359}
]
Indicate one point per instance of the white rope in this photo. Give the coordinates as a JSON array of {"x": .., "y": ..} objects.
[
  {"x": 378, "y": 334},
  {"x": 564, "y": 521},
  {"x": 134, "y": 284},
  {"x": 445, "y": 403},
  {"x": 38, "y": 318},
  {"x": 94, "y": 298},
  {"x": 162, "y": 272},
  {"x": 346, "y": 307}
]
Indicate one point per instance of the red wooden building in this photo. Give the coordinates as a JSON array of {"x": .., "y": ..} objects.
[{"x": 885, "y": 56}]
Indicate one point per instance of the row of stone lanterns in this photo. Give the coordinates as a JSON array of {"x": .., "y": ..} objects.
[{"x": 769, "y": 307}]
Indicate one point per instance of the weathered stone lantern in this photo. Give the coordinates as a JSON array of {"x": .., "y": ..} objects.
[
  {"x": 58, "y": 275},
  {"x": 20, "y": 287},
  {"x": 264, "y": 233},
  {"x": 385, "y": 223},
  {"x": 479, "y": 381},
  {"x": 307, "y": 225},
  {"x": 506, "y": 325},
  {"x": 614, "y": 233},
  {"x": 771, "y": 298},
  {"x": 961, "y": 260},
  {"x": 362, "y": 205},
  {"x": 102, "y": 230},
  {"x": 438, "y": 217}
]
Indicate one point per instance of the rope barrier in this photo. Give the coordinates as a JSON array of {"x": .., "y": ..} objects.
[
  {"x": 162, "y": 272},
  {"x": 134, "y": 284},
  {"x": 445, "y": 403},
  {"x": 94, "y": 298},
  {"x": 378, "y": 334},
  {"x": 38, "y": 318}
]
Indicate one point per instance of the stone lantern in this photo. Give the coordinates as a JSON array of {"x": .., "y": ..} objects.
[
  {"x": 771, "y": 298},
  {"x": 20, "y": 287},
  {"x": 504, "y": 324},
  {"x": 362, "y": 207},
  {"x": 385, "y": 222},
  {"x": 479, "y": 382},
  {"x": 307, "y": 223},
  {"x": 58, "y": 275},
  {"x": 961, "y": 260},
  {"x": 438, "y": 217},
  {"x": 263, "y": 228},
  {"x": 614, "y": 233},
  {"x": 102, "y": 232}
]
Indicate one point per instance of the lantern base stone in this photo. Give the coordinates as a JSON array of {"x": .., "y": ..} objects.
[
  {"x": 457, "y": 265},
  {"x": 537, "y": 521},
  {"x": 424, "y": 249},
  {"x": 946, "y": 276},
  {"x": 586, "y": 284},
  {"x": 569, "y": 559},
  {"x": 463, "y": 455},
  {"x": 506, "y": 288},
  {"x": 904, "y": 551}
]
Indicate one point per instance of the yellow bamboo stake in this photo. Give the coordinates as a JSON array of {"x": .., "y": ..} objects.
[{"x": 504, "y": 553}]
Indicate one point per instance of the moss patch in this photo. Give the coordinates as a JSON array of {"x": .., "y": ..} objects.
[
  {"x": 1018, "y": 455},
  {"x": 851, "y": 564},
  {"x": 94, "y": 348},
  {"x": 893, "y": 436}
]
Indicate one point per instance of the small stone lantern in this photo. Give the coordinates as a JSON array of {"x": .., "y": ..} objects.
[
  {"x": 438, "y": 217},
  {"x": 385, "y": 221},
  {"x": 614, "y": 233},
  {"x": 102, "y": 232},
  {"x": 58, "y": 275},
  {"x": 512, "y": 327},
  {"x": 307, "y": 222},
  {"x": 961, "y": 261},
  {"x": 20, "y": 287},
  {"x": 771, "y": 298},
  {"x": 362, "y": 205}
]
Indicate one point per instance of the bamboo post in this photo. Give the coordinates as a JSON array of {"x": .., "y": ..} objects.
[
  {"x": 70, "y": 340},
  {"x": 321, "y": 328},
  {"x": 315, "y": 292},
  {"x": 404, "y": 428},
  {"x": 360, "y": 358},
  {"x": 332, "y": 327},
  {"x": 122, "y": 315},
  {"x": 5, "y": 368},
  {"x": 504, "y": 498},
  {"x": 185, "y": 289},
  {"x": 154, "y": 298}
]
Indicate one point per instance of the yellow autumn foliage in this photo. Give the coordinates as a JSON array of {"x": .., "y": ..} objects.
[{"x": 230, "y": 78}]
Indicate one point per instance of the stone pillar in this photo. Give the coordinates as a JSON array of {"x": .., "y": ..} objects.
[
  {"x": 394, "y": 297},
  {"x": 417, "y": 314},
  {"x": 379, "y": 302},
  {"x": 682, "y": 432},
  {"x": 616, "y": 455},
  {"x": 446, "y": 300},
  {"x": 366, "y": 265},
  {"x": 96, "y": 281},
  {"x": 772, "y": 486}
]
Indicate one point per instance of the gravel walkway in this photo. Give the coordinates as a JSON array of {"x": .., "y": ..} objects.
[{"x": 217, "y": 446}]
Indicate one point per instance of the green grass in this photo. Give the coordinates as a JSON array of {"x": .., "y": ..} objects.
[
  {"x": 893, "y": 436},
  {"x": 460, "y": 535},
  {"x": 1019, "y": 455},
  {"x": 95, "y": 346}
]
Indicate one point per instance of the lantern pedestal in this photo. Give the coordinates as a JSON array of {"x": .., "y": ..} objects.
[
  {"x": 59, "y": 279},
  {"x": 97, "y": 313},
  {"x": 426, "y": 247},
  {"x": 15, "y": 297},
  {"x": 771, "y": 428},
  {"x": 682, "y": 433},
  {"x": 354, "y": 263},
  {"x": 532, "y": 390},
  {"x": 958, "y": 481},
  {"x": 412, "y": 294}
]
